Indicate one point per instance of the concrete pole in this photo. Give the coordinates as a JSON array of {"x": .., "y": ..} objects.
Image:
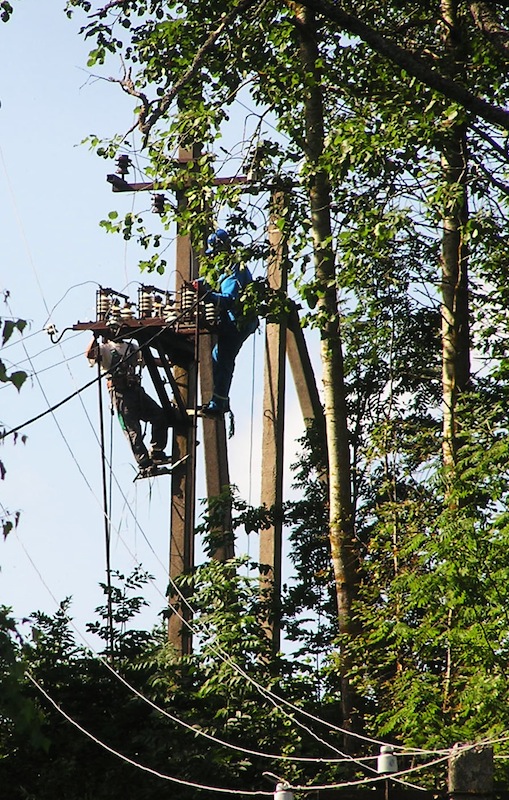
[
  {"x": 470, "y": 772},
  {"x": 273, "y": 429},
  {"x": 217, "y": 475},
  {"x": 183, "y": 482}
]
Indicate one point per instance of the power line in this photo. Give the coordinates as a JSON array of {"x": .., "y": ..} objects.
[
  {"x": 137, "y": 764},
  {"x": 197, "y": 731},
  {"x": 49, "y": 410},
  {"x": 298, "y": 787}
]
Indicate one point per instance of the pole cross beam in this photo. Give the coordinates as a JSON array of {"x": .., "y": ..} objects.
[{"x": 118, "y": 184}]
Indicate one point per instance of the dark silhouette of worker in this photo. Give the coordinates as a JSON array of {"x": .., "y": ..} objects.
[
  {"x": 122, "y": 362},
  {"x": 233, "y": 327}
]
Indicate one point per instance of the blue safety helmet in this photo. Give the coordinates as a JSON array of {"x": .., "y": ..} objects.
[{"x": 218, "y": 241}]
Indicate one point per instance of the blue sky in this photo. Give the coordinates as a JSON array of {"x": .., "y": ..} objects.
[{"x": 53, "y": 193}]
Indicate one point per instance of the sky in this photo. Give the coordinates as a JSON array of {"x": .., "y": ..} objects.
[{"x": 54, "y": 254}]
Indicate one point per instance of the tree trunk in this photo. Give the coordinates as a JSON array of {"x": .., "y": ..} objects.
[
  {"x": 455, "y": 312},
  {"x": 343, "y": 551}
]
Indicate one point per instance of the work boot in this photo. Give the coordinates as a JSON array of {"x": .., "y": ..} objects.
[
  {"x": 215, "y": 408},
  {"x": 159, "y": 457}
]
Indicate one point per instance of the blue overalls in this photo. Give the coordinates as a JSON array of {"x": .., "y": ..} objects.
[{"x": 233, "y": 331}]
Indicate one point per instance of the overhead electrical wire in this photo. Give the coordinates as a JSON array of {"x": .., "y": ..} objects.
[
  {"x": 41, "y": 352},
  {"x": 49, "y": 410},
  {"x": 196, "y": 731},
  {"x": 11, "y": 343},
  {"x": 443, "y": 754},
  {"x": 223, "y": 790},
  {"x": 304, "y": 788},
  {"x": 32, "y": 375},
  {"x": 365, "y": 781},
  {"x": 143, "y": 767},
  {"x": 199, "y": 732}
]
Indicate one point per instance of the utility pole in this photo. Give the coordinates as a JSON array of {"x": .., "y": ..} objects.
[
  {"x": 185, "y": 378},
  {"x": 470, "y": 772},
  {"x": 283, "y": 339},
  {"x": 273, "y": 428},
  {"x": 183, "y": 483}
]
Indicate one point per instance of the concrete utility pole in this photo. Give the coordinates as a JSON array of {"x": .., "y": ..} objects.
[
  {"x": 217, "y": 475},
  {"x": 282, "y": 338},
  {"x": 273, "y": 428},
  {"x": 471, "y": 772},
  {"x": 183, "y": 500}
]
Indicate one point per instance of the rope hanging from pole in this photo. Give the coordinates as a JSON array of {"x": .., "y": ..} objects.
[{"x": 107, "y": 528}]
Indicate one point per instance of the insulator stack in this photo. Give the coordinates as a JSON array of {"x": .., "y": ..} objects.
[
  {"x": 102, "y": 304},
  {"x": 126, "y": 312},
  {"x": 145, "y": 303},
  {"x": 187, "y": 304},
  {"x": 157, "y": 306},
  {"x": 115, "y": 313},
  {"x": 210, "y": 314},
  {"x": 170, "y": 313}
]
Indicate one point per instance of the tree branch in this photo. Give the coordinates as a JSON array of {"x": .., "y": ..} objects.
[
  {"x": 415, "y": 66},
  {"x": 488, "y": 23},
  {"x": 165, "y": 102}
]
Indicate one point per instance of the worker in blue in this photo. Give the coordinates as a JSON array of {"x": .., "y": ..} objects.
[{"x": 234, "y": 327}]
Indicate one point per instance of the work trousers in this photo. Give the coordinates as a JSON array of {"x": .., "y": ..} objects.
[
  {"x": 224, "y": 355},
  {"x": 133, "y": 405}
]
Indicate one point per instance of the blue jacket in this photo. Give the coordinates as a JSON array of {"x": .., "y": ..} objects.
[{"x": 230, "y": 285}]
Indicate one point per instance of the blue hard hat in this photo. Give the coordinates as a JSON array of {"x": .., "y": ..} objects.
[{"x": 217, "y": 241}]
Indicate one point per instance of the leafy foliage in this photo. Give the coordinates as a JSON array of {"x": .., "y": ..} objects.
[
  {"x": 428, "y": 656},
  {"x": 8, "y": 520}
]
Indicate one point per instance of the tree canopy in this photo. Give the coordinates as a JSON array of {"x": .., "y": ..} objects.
[{"x": 385, "y": 127}]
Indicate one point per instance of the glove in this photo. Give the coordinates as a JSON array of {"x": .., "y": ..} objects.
[{"x": 200, "y": 286}]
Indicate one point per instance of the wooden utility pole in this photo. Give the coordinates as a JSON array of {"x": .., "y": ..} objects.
[{"x": 183, "y": 483}]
